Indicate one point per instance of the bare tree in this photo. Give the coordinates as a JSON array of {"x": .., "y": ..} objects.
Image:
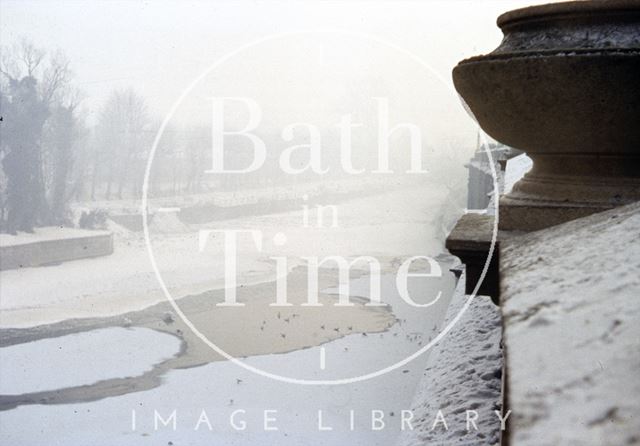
[
  {"x": 196, "y": 145},
  {"x": 122, "y": 139},
  {"x": 62, "y": 132}
]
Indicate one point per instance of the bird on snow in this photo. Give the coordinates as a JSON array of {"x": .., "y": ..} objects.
[{"x": 167, "y": 318}]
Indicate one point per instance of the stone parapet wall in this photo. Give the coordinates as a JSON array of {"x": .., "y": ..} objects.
[
  {"x": 570, "y": 308},
  {"x": 51, "y": 246}
]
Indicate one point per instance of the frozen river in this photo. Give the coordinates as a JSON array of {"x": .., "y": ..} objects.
[
  {"x": 205, "y": 398},
  {"x": 100, "y": 381}
]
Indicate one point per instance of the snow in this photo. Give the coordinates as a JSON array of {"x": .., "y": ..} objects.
[
  {"x": 227, "y": 198},
  {"x": 463, "y": 374},
  {"x": 385, "y": 224},
  {"x": 214, "y": 388},
  {"x": 82, "y": 358},
  {"x": 517, "y": 167},
  {"x": 571, "y": 315}
]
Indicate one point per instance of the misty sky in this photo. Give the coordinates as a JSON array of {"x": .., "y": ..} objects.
[{"x": 159, "y": 47}]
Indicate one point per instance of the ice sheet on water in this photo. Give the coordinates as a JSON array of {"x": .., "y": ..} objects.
[{"x": 50, "y": 364}]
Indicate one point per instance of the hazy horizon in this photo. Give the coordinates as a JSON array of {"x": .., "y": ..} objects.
[{"x": 159, "y": 48}]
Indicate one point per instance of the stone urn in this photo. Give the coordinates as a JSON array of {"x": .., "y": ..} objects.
[{"x": 563, "y": 86}]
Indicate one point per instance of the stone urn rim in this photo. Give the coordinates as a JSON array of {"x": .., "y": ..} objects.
[
  {"x": 566, "y": 9},
  {"x": 554, "y": 85},
  {"x": 518, "y": 24}
]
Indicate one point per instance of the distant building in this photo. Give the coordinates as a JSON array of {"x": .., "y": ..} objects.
[
  {"x": 480, "y": 176},
  {"x": 510, "y": 165}
]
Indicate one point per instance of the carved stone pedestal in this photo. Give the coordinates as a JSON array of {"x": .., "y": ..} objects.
[
  {"x": 560, "y": 188},
  {"x": 564, "y": 86}
]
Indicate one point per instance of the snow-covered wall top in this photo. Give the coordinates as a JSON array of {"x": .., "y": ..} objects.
[
  {"x": 462, "y": 381},
  {"x": 571, "y": 311}
]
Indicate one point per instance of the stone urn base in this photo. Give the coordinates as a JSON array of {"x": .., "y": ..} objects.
[{"x": 561, "y": 188}]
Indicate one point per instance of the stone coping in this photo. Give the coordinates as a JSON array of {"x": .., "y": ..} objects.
[{"x": 569, "y": 297}]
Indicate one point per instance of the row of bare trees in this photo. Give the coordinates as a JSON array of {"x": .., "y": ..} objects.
[
  {"x": 50, "y": 156},
  {"x": 121, "y": 137}
]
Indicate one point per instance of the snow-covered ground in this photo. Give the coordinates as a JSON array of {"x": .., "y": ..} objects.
[
  {"x": 388, "y": 224},
  {"x": 251, "y": 195}
]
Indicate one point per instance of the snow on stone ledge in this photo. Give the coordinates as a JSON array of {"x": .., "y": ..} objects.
[
  {"x": 464, "y": 373},
  {"x": 51, "y": 245},
  {"x": 572, "y": 331},
  {"x": 48, "y": 233}
]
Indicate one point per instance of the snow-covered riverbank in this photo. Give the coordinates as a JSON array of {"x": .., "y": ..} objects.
[{"x": 388, "y": 224}]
